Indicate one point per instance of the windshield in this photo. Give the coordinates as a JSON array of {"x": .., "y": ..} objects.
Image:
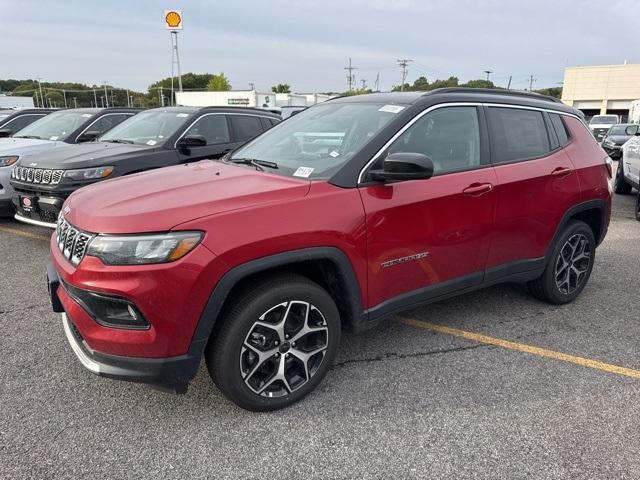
[
  {"x": 618, "y": 130},
  {"x": 147, "y": 128},
  {"x": 316, "y": 142},
  {"x": 55, "y": 126},
  {"x": 606, "y": 119}
]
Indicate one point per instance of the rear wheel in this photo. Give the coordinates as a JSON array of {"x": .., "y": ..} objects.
[
  {"x": 569, "y": 266},
  {"x": 620, "y": 185},
  {"x": 276, "y": 344}
]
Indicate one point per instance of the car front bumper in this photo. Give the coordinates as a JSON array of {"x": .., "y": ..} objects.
[
  {"x": 614, "y": 152},
  {"x": 6, "y": 193}
]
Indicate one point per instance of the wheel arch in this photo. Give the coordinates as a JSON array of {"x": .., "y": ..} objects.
[
  {"x": 593, "y": 213},
  {"x": 327, "y": 266}
]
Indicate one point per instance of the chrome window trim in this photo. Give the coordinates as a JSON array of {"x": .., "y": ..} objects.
[
  {"x": 175, "y": 145},
  {"x": 453, "y": 104},
  {"x": 130, "y": 114}
]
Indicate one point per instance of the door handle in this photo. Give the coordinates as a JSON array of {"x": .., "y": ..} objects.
[
  {"x": 561, "y": 172},
  {"x": 477, "y": 189}
]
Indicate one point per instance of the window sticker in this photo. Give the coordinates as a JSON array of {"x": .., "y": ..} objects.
[
  {"x": 151, "y": 142},
  {"x": 334, "y": 154},
  {"x": 87, "y": 115},
  {"x": 303, "y": 172},
  {"x": 182, "y": 115},
  {"x": 55, "y": 137},
  {"x": 391, "y": 108}
]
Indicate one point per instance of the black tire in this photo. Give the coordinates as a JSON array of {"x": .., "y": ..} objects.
[
  {"x": 638, "y": 207},
  {"x": 620, "y": 185},
  {"x": 229, "y": 357},
  {"x": 556, "y": 287}
]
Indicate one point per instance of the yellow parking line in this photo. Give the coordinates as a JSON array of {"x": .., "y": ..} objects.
[
  {"x": 14, "y": 231},
  {"x": 521, "y": 347}
]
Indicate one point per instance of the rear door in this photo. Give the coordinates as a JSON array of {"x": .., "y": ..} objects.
[
  {"x": 214, "y": 127},
  {"x": 537, "y": 184},
  {"x": 429, "y": 237}
]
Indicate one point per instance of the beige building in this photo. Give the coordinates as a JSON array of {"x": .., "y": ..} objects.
[{"x": 602, "y": 89}]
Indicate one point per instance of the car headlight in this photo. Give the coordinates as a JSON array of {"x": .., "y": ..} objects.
[
  {"x": 608, "y": 143},
  {"x": 88, "y": 173},
  {"x": 143, "y": 249},
  {"x": 9, "y": 160}
]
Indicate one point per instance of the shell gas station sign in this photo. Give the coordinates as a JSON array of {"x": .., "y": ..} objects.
[{"x": 173, "y": 19}]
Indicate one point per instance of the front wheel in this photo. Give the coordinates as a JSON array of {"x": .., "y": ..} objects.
[
  {"x": 620, "y": 185},
  {"x": 568, "y": 267},
  {"x": 277, "y": 342}
]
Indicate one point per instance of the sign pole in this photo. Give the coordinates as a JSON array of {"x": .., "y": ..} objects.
[{"x": 173, "y": 23}]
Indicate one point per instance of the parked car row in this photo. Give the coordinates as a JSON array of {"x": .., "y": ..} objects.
[
  {"x": 343, "y": 214},
  {"x": 66, "y": 150}
]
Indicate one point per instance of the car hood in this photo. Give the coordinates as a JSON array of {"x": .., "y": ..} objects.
[
  {"x": 24, "y": 147},
  {"x": 618, "y": 139},
  {"x": 82, "y": 155},
  {"x": 160, "y": 199}
]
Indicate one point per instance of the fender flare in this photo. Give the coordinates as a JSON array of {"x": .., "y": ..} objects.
[
  {"x": 597, "y": 204},
  {"x": 221, "y": 291}
]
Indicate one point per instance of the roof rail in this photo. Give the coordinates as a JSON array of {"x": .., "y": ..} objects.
[{"x": 496, "y": 91}]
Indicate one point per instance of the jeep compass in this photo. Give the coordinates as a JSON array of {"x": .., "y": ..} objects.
[{"x": 350, "y": 211}]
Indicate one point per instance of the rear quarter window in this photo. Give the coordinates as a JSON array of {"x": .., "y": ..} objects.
[
  {"x": 517, "y": 134},
  {"x": 246, "y": 127},
  {"x": 561, "y": 129}
]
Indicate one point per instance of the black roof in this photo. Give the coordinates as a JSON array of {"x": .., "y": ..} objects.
[
  {"x": 23, "y": 111},
  {"x": 229, "y": 109},
  {"x": 461, "y": 94}
]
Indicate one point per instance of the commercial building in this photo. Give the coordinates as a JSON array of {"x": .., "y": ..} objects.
[{"x": 602, "y": 89}]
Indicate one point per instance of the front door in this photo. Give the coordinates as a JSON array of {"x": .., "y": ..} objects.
[
  {"x": 428, "y": 237},
  {"x": 215, "y": 129}
]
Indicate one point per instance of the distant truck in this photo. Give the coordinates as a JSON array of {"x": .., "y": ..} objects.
[
  {"x": 600, "y": 125},
  {"x": 233, "y": 98},
  {"x": 14, "y": 101}
]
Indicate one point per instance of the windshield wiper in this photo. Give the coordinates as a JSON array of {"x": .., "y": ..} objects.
[
  {"x": 255, "y": 162},
  {"x": 118, "y": 140},
  {"x": 28, "y": 136}
]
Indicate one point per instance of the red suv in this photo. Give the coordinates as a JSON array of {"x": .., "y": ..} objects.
[{"x": 350, "y": 211}]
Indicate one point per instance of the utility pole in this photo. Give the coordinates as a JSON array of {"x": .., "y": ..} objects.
[
  {"x": 350, "y": 78},
  {"x": 40, "y": 87},
  {"x": 128, "y": 100},
  {"x": 95, "y": 98},
  {"x": 531, "y": 80},
  {"x": 75, "y": 102},
  {"x": 64, "y": 94},
  {"x": 376, "y": 85},
  {"x": 106, "y": 95},
  {"x": 364, "y": 83},
  {"x": 403, "y": 63},
  {"x": 251, "y": 84},
  {"x": 488, "y": 72},
  {"x": 509, "y": 84}
]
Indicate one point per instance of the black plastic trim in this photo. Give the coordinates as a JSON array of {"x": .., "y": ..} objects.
[{"x": 582, "y": 207}]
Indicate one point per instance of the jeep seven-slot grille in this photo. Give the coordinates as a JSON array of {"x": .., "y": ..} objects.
[
  {"x": 71, "y": 241},
  {"x": 37, "y": 175}
]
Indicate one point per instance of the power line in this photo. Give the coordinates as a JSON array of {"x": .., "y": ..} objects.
[{"x": 403, "y": 63}]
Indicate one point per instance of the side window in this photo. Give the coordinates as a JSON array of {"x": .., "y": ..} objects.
[
  {"x": 560, "y": 128},
  {"x": 450, "y": 136},
  {"x": 246, "y": 127},
  {"x": 103, "y": 124},
  {"x": 517, "y": 134},
  {"x": 213, "y": 128},
  {"x": 20, "y": 122}
]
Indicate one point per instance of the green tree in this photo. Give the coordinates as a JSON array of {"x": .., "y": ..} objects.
[
  {"x": 281, "y": 88},
  {"x": 479, "y": 83},
  {"x": 357, "y": 91},
  {"x": 551, "y": 91},
  {"x": 218, "y": 83}
]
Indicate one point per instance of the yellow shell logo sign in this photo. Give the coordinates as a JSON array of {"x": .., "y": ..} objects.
[{"x": 173, "y": 19}]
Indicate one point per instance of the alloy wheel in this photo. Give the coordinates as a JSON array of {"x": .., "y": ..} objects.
[
  {"x": 284, "y": 348},
  {"x": 573, "y": 263}
]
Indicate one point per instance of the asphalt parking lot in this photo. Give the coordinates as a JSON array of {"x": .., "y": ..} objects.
[{"x": 402, "y": 401}]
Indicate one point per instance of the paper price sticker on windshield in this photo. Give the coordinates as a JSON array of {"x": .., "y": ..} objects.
[
  {"x": 303, "y": 172},
  {"x": 391, "y": 108}
]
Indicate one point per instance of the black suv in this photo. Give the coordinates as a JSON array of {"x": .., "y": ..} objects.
[
  {"x": 155, "y": 138},
  {"x": 613, "y": 140},
  {"x": 12, "y": 121}
]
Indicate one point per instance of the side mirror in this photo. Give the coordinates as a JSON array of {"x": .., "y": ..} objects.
[
  {"x": 192, "y": 141},
  {"x": 632, "y": 130},
  {"x": 89, "y": 136},
  {"x": 404, "y": 166},
  {"x": 5, "y": 132}
]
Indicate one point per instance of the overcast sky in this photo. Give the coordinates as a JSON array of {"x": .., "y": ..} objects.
[{"x": 307, "y": 43}]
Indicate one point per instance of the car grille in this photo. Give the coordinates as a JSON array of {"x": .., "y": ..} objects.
[
  {"x": 71, "y": 241},
  {"x": 37, "y": 175}
]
